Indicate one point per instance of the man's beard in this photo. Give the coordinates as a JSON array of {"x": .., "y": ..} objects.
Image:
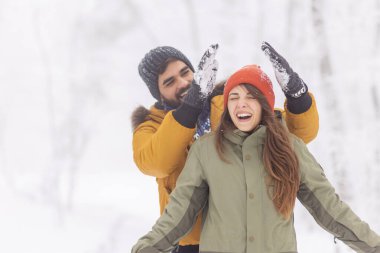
[
  {"x": 175, "y": 103},
  {"x": 172, "y": 103}
]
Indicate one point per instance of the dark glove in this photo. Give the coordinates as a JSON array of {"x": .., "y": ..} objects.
[
  {"x": 188, "y": 112},
  {"x": 194, "y": 97},
  {"x": 204, "y": 79},
  {"x": 291, "y": 84}
]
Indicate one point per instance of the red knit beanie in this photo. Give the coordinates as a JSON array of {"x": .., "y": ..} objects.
[{"x": 253, "y": 75}]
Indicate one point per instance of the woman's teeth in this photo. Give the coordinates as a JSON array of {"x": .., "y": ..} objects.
[{"x": 244, "y": 115}]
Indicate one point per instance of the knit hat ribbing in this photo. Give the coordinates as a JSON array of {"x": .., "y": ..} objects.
[
  {"x": 152, "y": 62},
  {"x": 253, "y": 75}
]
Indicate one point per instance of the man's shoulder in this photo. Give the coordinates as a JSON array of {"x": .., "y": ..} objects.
[
  {"x": 296, "y": 142},
  {"x": 142, "y": 114}
]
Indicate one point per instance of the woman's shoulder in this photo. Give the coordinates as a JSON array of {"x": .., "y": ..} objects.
[
  {"x": 205, "y": 139},
  {"x": 297, "y": 142},
  {"x": 205, "y": 143},
  {"x": 203, "y": 146},
  {"x": 301, "y": 149}
]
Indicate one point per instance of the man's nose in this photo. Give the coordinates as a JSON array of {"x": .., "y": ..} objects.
[{"x": 182, "y": 83}]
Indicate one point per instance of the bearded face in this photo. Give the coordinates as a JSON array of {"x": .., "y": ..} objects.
[{"x": 174, "y": 83}]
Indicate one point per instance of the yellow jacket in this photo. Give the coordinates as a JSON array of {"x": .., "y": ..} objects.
[{"x": 161, "y": 144}]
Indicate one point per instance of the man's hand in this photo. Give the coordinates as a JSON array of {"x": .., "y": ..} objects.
[
  {"x": 205, "y": 74},
  {"x": 291, "y": 84}
]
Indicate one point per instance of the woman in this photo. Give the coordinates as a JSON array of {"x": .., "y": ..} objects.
[{"x": 246, "y": 177}]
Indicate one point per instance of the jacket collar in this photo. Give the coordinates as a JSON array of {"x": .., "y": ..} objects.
[{"x": 239, "y": 137}]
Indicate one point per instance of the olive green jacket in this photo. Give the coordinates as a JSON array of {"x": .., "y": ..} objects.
[{"x": 240, "y": 215}]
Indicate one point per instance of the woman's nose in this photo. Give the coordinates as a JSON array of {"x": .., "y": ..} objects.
[{"x": 242, "y": 103}]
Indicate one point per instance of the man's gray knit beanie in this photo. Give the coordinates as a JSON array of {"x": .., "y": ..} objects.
[{"x": 152, "y": 62}]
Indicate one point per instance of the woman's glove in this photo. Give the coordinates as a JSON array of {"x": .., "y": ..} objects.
[{"x": 291, "y": 84}]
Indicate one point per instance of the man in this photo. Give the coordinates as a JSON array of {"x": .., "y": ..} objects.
[{"x": 187, "y": 108}]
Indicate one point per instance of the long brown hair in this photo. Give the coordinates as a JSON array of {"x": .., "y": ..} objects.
[{"x": 280, "y": 160}]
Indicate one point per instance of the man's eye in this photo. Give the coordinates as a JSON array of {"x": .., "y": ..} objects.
[
  {"x": 233, "y": 98},
  {"x": 169, "y": 83},
  {"x": 185, "y": 72}
]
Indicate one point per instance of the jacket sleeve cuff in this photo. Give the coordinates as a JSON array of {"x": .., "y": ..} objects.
[
  {"x": 187, "y": 115},
  {"x": 299, "y": 105}
]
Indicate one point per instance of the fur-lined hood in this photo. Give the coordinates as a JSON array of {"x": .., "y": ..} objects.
[{"x": 141, "y": 114}]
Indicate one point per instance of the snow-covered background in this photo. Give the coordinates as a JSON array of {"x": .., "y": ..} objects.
[{"x": 69, "y": 82}]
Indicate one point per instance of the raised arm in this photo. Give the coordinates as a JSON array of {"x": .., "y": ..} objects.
[
  {"x": 159, "y": 148},
  {"x": 160, "y": 143},
  {"x": 301, "y": 112}
]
